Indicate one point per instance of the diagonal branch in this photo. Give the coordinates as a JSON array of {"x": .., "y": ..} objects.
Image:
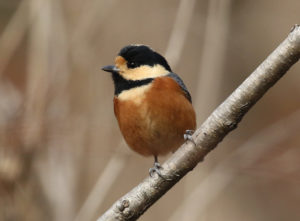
[
  {"x": 224, "y": 173},
  {"x": 223, "y": 120}
]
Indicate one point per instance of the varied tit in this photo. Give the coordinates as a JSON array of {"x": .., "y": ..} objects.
[{"x": 151, "y": 103}]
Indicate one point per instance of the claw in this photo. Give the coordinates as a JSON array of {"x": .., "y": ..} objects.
[
  {"x": 188, "y": 136},
  {"x": 156, "y": 169}
]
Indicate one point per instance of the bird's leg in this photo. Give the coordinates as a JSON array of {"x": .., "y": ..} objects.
[
  {"x": 156, "y": 167},
  {"x": 188, "y": 136},
  {"x": 156, "y": 163}
]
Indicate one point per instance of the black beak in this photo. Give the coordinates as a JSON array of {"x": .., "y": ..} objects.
[{"x": 110, "y": 68}]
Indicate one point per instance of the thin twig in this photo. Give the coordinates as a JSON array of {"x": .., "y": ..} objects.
[{"x": 223, "y": 120}]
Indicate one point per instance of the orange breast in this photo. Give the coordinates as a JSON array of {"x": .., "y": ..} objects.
[{"x": 156, "y": 125}]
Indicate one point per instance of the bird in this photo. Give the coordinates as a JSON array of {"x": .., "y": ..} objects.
[{"x": 152, "y": 105}]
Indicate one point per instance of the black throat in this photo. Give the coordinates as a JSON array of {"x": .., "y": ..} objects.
[{"x": 122, "y": 84}]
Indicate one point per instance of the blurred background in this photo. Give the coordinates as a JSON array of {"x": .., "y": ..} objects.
[{"x": 62, "y": 156}]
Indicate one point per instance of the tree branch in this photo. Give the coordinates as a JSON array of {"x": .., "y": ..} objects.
[{"x": 223, "y": 120}]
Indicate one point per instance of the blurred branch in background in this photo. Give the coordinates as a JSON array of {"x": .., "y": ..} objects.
[
  {"x": 38, "y": 79},
  {"x": 212, "y": 57},
  {"x": 103, "y": 185},
  {"x": 87, "y": 26},
  {"x": 179, "y": 31},
  {"x": 13, "y": 34},
  {"x": 57, "y": 167},
  {"x": 223, "y": 120},
  {"x": 10, "y": 162}
]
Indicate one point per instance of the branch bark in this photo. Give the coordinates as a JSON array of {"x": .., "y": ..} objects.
[{"x": 223, "y": 120}]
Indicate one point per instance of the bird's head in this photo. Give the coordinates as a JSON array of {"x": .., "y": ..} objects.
[{"x": 138, "y": 62}]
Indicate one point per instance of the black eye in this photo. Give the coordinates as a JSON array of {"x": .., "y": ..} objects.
[{"x": 131, "y": 64}]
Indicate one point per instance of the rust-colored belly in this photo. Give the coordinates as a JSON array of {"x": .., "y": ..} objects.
[{"x": 156, "y": 124}]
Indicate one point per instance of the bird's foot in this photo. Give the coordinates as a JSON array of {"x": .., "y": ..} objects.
[
  {"x": 156, "y": 169},
  {"x": 188, "y": 136}
]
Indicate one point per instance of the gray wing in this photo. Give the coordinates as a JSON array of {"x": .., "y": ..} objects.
[{"x": 181, "y": 84}]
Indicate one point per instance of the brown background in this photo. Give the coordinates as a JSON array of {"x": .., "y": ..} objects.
[{"x": 62, "y": 156}]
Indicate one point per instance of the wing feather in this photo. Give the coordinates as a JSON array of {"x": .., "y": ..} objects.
[{"x": 181, "y": 84}]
